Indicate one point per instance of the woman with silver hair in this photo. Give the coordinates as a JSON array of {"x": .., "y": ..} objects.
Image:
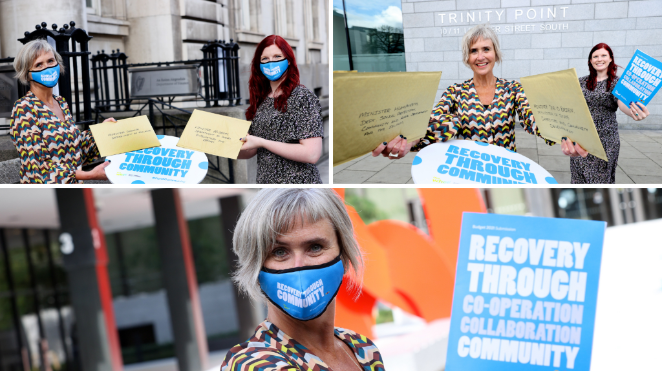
[
  {"x": 481, "y": 109},
  {"x": 50, "y": 146},
  {"x": 294, "y": 248}
]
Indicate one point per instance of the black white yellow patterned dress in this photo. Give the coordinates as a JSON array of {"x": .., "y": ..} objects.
[
  {"x": 459, "y": 114},
  {"x": 270, "y": 349},
  {"x": 50, "y": 150},
  {"x": 603, "y": 105},
  {"x": 302, "y": 120}
]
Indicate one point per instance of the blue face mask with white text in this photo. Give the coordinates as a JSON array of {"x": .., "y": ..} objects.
[
  {"x": 47, "y": 77},
  {"x": 274, "y": 70},
  {"x": 303, "y": 293}
]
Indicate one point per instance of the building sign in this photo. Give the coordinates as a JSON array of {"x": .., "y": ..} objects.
[
  {"x": 8, "y": 90},
  {"x": 507, "y": 21},
  {"x": 164, "y": 81},
  {"x": 526, "y": 293}
]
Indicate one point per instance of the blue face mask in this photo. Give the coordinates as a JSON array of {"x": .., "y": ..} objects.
[
  {"x": 47, "y": 77},
  {"x": 274, "y": 70},
  {"x": 303, "y": 293}
]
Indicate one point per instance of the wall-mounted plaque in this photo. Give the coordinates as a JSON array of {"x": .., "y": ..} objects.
[{"x": 164, "y": 81}]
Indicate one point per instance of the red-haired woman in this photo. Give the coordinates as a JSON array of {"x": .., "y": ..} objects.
[
  {"x": 286, "y": 133},
  {"x": 597, "y": 88}
]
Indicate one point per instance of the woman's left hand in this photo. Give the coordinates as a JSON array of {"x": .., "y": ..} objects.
[
  {"x": 251, "y": 142},
  {"x": 638, "y": 111},
  {"x": 572, "y": 149},
  {"x": 110, "y": 119}
]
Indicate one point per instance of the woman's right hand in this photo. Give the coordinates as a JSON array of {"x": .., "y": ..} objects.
[
  {"x": 572, "y": 149},
  {"x": 395, "y": 149}
]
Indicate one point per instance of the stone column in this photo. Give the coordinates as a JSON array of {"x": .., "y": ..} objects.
[
  {"x": 180, "y": 281},
  {"x": 155, "y": 31},
  {"x": 85, "y": 260},
  {"x": 19, "y": 16}
]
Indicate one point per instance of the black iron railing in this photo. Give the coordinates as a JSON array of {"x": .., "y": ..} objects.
[
  {"x": 119, "y": 75},
  {"x": 218, "y": 73}
]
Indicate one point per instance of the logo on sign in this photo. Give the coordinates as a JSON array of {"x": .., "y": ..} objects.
[
  {"x": 52, "y": 77},
  {"x": 272, "y": 71}
]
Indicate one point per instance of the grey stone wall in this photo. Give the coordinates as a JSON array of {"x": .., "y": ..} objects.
[{"x": 532, "y": 40}]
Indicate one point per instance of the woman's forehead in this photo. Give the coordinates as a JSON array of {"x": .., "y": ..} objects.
[
  {"x": 271, "y": 50},
  {"x": 601, "y": 51},
  {"x": 479, "y": 41},
  {"x": 44, "y": 54}
]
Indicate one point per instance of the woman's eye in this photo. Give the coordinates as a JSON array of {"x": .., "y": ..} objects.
[
  {"x": 279, "y": 253},
  {"x": 316, "y": 248}
]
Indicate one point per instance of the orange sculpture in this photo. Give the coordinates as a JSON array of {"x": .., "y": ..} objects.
[{"x": 406, "y": 267}]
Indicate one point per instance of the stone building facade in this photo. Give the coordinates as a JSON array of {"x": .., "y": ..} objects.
[{"x": 536, "y": 36}]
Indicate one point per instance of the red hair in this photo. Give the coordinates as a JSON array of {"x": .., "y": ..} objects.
[
  {"x": 611, "y": 70},
  {"x": 259, "y": 86}
]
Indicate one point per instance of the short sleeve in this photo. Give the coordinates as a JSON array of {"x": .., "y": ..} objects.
[
  {"x": 306, "y": 114},
  {"x": 613, "y": 107}
]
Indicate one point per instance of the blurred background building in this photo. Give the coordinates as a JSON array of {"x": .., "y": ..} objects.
[{"x": 50, "y": 294}]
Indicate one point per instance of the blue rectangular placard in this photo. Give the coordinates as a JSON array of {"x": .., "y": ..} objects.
[
  {"x": 525, "y": 293},
  {"x": 640, "y": 81}
]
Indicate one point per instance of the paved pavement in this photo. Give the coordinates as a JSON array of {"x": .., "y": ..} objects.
[{"x": 640, "y": 161}]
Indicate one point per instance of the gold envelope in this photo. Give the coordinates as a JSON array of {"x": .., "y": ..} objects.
[
  {"x": 560, "y": 109},
  {"x": 372, "y": 107},
  {"x": 214, "y": 134},
  {"x": 125, "y": 135}
]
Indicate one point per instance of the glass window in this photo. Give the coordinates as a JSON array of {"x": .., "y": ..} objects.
[
  {"x": 508, "y": 201},
  {"x": 583, "y": 203},
  {"x": 376, "y": 39},
  {"x": 652, "y": 200}
]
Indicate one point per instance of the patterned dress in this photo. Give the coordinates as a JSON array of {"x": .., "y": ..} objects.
[
  {"x": 460, "y": 114},
  {"x": 302, "y": 120},
  {"x": 270, "y": 349},
  {"x": 50, "y": 150},
  {"x": 603, "y": 105}
]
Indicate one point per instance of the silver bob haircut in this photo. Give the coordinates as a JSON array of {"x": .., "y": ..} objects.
[
  {"x": 275, "y": 211},
  {"x": 481, "y": 31},
  {"x": 27, "y": 55}
]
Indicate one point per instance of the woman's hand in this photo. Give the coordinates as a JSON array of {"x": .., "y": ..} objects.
[
  {"x": 572, "y": 149},
  {"x": 251, "y": 142},
  {"x": 110, "y": 119},
  {"x": 98, "y": 173},
  {"x": 395, "y": 149}
]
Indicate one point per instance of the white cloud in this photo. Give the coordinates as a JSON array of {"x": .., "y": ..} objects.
[{"x": 391, "y": 16}]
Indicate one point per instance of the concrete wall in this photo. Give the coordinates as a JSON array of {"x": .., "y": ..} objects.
[
  {"x": 532, "y": 40},
  {"x": 216, "y": 300}
]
